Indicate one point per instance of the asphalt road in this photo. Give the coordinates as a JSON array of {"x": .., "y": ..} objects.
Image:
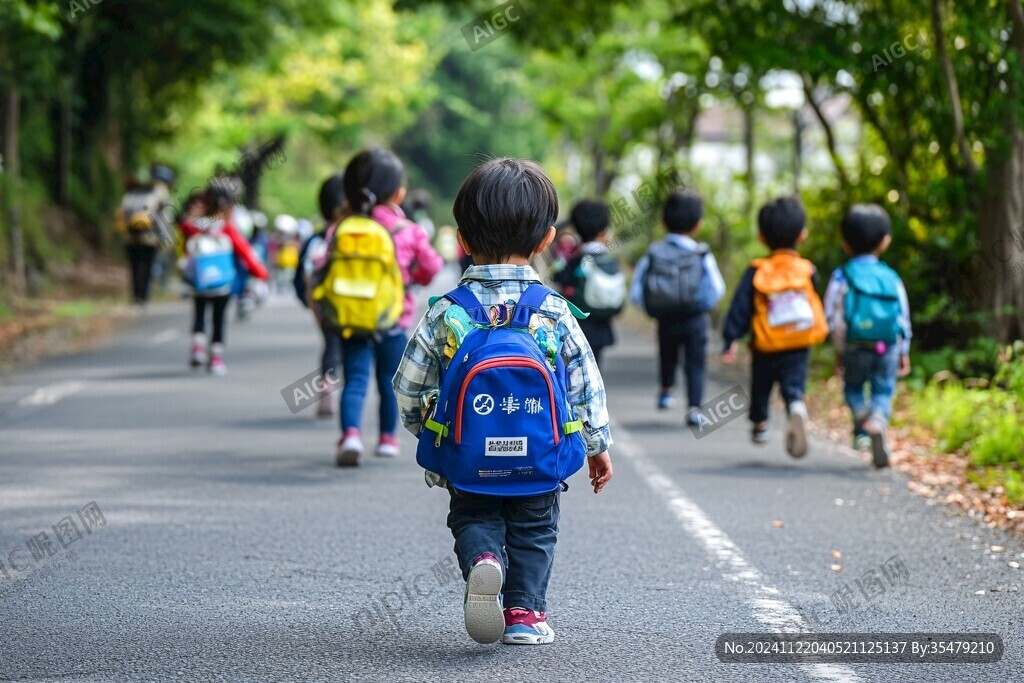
[{"x": 211, "y": 538}]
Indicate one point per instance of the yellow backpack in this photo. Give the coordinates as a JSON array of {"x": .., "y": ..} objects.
[
  {"x": 788, "y": 314},
  {"x": 361, "y": 290}
]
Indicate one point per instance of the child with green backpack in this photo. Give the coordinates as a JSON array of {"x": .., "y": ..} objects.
[{"x": 869, "y": 319}]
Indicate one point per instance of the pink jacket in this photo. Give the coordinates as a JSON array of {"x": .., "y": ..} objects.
[{"x": 417, "y": 259}]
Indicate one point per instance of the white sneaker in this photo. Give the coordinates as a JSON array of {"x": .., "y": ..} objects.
[
  {"x": 485, "y": 619},
  {"x": 875, "y": 427},
  {"x": 796, "y": 435},
  {"x": 387, "y": 447},
  {"x": 350, "y": 448}
]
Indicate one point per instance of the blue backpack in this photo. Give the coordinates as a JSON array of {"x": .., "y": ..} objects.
[
  {"x": 211, "y": 264},
  {"x": 502, "y": 424},
  {"x": 872, "y": 304}
]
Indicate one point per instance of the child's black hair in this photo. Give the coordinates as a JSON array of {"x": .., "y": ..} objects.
[
  {"x": 332, "y": 196},
  {"x": 371, "y": 178},
  {"x": 864, "y": 227},
  {"x": 590, "y": 218},
  {"x": 781, "y": 222},
  {"x": 683, "y": 211},
  {"x": 218, "y": 197},
  {"x": 505, "y": 208}
]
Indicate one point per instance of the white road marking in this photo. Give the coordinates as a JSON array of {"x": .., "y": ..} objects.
[
  {"x": 50, "y": 394},
  {"x": 773, "y": 612},
  {"x": 170, "y": 334}
]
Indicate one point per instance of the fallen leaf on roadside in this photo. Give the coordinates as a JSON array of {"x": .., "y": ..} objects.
[
  {"x": 997, "y": 548},
  {"x": 836, "y": 567},
  {"x": 836, "y": 554},
  {"x": 777, "y": 524}
]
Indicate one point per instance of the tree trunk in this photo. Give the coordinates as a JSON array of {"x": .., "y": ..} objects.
[
  {"x": 12, "y": 192},
  {"x": 1000, "y": 280},
  {"x": 748, "y": 145},
  {"x": 953, "y": 89},
  {"x": 62, "y": 138},
  {"x": 830, "y": 136}
]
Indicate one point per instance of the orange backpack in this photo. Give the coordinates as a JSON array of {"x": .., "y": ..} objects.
[{"x": 788, "y": 314}]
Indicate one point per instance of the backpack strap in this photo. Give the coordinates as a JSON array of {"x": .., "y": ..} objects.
[
  {"x": 463, "y": 297},
  {"x": 529, "y": 303}
]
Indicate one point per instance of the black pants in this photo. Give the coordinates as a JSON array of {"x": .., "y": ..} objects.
[
  {"x": 140, "y": 262},
  {"x": 331, "y": 357},
  {"x": 788, "y": 369},
  {"x": 599, "y": 335},
  {"x": 219, "y": 304},
  {"x": 689, "y": 331}
]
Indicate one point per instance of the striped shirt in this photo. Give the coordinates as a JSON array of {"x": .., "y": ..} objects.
[{"x": 419, "y": 372}]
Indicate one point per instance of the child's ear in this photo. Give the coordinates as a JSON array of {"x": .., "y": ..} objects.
[
  {"x": 398, "y": 197},
  {"x": 846, "y": 247},
  {"x": 884, "y": 245},
  {"x": 546, "y": 242},
  {"x": 802, "y": 237},
  {"x": 761, "y": 239},
  {"x": 462, "y": 243}
]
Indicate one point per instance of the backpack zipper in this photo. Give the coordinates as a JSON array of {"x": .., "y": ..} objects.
[{"x": 506, "y": 362}]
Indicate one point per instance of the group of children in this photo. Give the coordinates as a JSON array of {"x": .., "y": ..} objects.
[
  {"x": 501, "y": 381},
  {"x": 677, "y": 282}
]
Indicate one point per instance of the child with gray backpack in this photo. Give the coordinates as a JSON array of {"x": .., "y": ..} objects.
[{"x": 677, "y": 282}]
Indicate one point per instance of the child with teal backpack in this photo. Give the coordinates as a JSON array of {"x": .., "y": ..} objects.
[
  {"x": 502, "y": 388},
  {"x": 869, "y": 319}
]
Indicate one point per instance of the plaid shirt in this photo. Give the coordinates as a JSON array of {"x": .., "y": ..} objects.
[{"x": 419, "y": 372}]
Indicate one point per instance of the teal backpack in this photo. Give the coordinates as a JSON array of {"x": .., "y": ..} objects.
[{"x": 872, "y": 305}]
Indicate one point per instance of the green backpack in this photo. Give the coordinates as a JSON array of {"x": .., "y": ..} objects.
[{"x": 872, "y": 304}]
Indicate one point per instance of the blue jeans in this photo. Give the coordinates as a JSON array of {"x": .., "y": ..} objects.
[
  {"x": 520, "y": 531},
  {"x": 691, "y": 332},
  {"x": 357, "y": 355},
  {"x": 864, "y": 365}
]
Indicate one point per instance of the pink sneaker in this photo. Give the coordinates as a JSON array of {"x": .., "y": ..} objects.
[
  {"x": 197, "y": 356},
  {"x": 388, "y": 446},
  {"x": 485, "y": 622},
  {"x": 350, "y": 448},
  {"x": 526, "y": 627}
]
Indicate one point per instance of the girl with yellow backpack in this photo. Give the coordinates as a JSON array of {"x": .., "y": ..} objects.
[{"x": 363, "y": 292}]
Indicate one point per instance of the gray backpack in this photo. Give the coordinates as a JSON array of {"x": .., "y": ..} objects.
[{"x": 673, "y": 279}]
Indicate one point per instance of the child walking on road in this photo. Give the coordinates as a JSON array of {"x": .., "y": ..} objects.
[
  {"x": 213, "y": 246},
  {"x": 869, "y": 316},
  {"x": 777, "y": 301},
  {"x": 367, "y": 284},
  {"x": 592, "y": 278},
  {"x": 678, "y": 283},
  {"x": 502, "y": 388}
]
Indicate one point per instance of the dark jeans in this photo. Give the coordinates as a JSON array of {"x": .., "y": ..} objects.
[
  {"x": 140, "y": 262},
  {"x": 357, "y": 355},
  {"x": 218, "y": 304},
  {"x": 330, "y": 360},
  {"x": 691, "y": 333},
  {"x": 788, "y": 369},
  {"x": 520, "y": 531},
  {"x": 864, "y": 365},
  {"x": 599, "y": 335}
]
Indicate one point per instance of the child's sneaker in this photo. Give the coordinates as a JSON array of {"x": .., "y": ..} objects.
[
  {"x": 526, "y": 627},
  {"x": 760, "y": 435},
  {"x": 197, "y": 357},
  {"x": 350, "y": 448},
  {"x": 665, "y": 401},
  {"x": 875, "y": 428},
  {"x": 217, "y": 365},
  {"x": 325, "y": 408},
  {"x": 694, "y": 417},
  {"x": 388, "y": 446},
  {"x": 862, "y": 442},
  {"x": 485, "y": 620},
  {"x": 796, "y": 435}
]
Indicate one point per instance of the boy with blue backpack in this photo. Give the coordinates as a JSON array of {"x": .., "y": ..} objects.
[
  {"x": 499, "y": 383},
  {"x": 869, "y": 318}
]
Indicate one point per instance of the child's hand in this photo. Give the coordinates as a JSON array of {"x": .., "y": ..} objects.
[
  {"x": 729, "y": 355},
  {"x": 600, "y": 470},
  {"x": 904, "y": 369}
]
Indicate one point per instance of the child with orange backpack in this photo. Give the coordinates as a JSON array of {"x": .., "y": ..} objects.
[{"x": 776, "y": 300}]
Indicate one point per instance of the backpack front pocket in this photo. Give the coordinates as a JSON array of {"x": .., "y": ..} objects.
[{"x": 477, "y": 403}]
